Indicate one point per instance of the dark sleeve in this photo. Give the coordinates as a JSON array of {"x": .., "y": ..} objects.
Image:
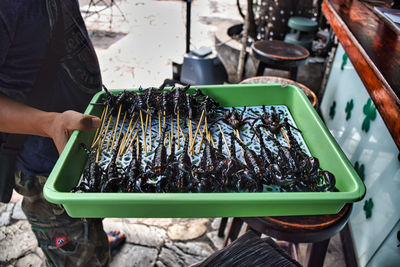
[
  {"x": 5, "y": 38},
  {"x": 8, "y": 25}
]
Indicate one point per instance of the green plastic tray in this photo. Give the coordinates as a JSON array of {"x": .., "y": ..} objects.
[{"x": 320, "y": 142}]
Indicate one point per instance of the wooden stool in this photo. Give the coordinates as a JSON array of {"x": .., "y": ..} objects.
[
  {"x": 315, "y": 229},
  {"x": 279, "y": 55},
  {"x": 283, "y": 81}
]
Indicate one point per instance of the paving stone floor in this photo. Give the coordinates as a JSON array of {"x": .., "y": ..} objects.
[{"x": 133, "y": 52}]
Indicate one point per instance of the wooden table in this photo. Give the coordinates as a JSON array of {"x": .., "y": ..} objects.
[{"x": 373, "y": 46}]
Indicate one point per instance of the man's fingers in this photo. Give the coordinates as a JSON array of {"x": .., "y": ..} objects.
[{"x": 89, "y": 122}]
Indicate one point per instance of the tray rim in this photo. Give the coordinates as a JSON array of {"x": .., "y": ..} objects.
[{"x": 54, "y": 196}]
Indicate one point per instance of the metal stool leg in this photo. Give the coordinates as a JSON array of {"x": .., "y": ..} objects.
[
  {"x": 261, "y": 68},
  {"x": 234, "y": 231},
  {"x": 222, "y": 226},
  {"x": 316, "y": 253},
  {"x": 293, "y": 74}
]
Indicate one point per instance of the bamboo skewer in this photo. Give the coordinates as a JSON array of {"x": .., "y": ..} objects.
[
  {"x": 212, "y": 140},
  {"x": 129, "y": 138},
  {"x": 265, "y": 131},
  {"x": 170, "y": 141},
  {"x": 159, "y": 123},
  {"x": 144, "y": 143},
  {"x": 164, "y": 118},
  {"x": 238, "y": 136},
  {"x": 145, "y": 130},
  {"x": 183, "y": 135},
  {"x": 124, "y": 140},
  {"x": 115, "y": 129},
  {"x": 97, "y": 155},
  {"x": 122, "y": 128},
  {"x": 137, "y": 145},
  {"x": 178, "y": 126},
  {"x": 190, "y": 129},
  {"x": 223, "y": 136},
  {"x": 285, "y": 136},
  {"x": 97, "y": 135},
  {"x": 105, "y": 134},
  {"x": 197, "y": 130},
  {"x": 201, "y": 138},
  {"x": 150, "y": 132}
]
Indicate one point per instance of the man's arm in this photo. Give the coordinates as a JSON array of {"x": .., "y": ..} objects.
[{"x": 19, "y": 118}]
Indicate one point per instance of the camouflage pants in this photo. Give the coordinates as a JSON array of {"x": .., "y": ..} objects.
[{"x": 65, "y": 241}]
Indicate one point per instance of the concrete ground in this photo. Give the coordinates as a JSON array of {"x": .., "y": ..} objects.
[{"x": 138, "y": 50}]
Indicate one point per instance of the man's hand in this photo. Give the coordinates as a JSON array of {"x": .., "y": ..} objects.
[
  {"x": 18, "y": 118},
  {"x": 65, "y": 123}
]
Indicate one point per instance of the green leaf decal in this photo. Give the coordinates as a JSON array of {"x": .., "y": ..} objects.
[
  {"x": 368, "y": 205},
  {"x": 332, "y": 110},
  {"x": 344, "y": 61},
  {"x": 369, "y": 110},
  {"x": 349, "y": 108},
  {"x": 360, "y": 169}
]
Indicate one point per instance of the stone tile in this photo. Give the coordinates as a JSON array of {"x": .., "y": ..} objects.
[
  {"x": 215, "y": 223},
  {"x": 195, "y": 248},
  {"x": 30, "y": 260},
  {"x": 334, "y": 255},
  {"x": 132, "y": 255},
  {"x": 137, "y": 233},
  {"x": 160, "y": 264},
  {"x": 218, "y": 242},
  {"x": 16, "y": 240},
  {"x": 185, "y": 259},
  {"x": 188, "y": 230},
  {"x": 5, "y": 217},
  {"x": 158, "y": 222},
  {"x": 3, "y": 207},
  {"x": 169, "y": 258},
  {"x": 17, "y": 213}
]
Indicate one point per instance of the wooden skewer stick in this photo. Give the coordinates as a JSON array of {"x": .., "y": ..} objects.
[
  {"x": 115, "y": 128},
  {"x": 143, "y": 132},
  {"x": 105, "y": 134},
  {"x": 166, "y": 137},
  {"x": 150, "y": 131},
  {"x": 159, "y": 123},
  {"x": 190, "y": 130},
  {"x": 145, "y": 129},
  {"x": 177, "y": 126},
  {"x": 223, "y": 136},
  {"x": 97, "y": 135},
  {"x": 197, "y": 130},
  {"x": 130, "y": 145},
  {"x": 183, "y": 135},
  {"x": 238, "y": 136},
  {"x": 122, "y": 128},
  {"x": 285, "y": 136},
  {"x": 163, "y": 119},
  {"x": 265, "y": 131},
  {"x": 170, "y": 142},
  {"x": 208, "y": 133},
  {"x": 97, "y": 155},
  {"x": 201, "y": 138},
  {"x": 129, "y": 138},
  {"x": 126, "y": 135},
  {"x": 212, "y": 140},
  {"x": 137, "y": 145}
]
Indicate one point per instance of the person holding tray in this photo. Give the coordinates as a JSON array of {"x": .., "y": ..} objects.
[{"x": 48, "y": 74}]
